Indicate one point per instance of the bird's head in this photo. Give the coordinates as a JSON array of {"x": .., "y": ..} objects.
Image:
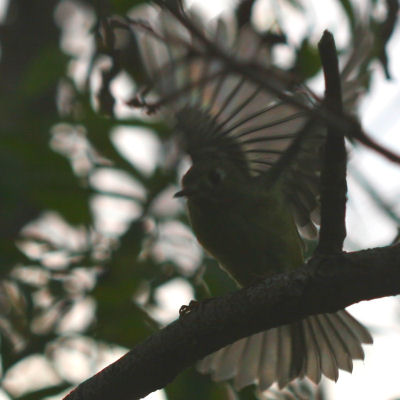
[{"x": 213, "y": 181}]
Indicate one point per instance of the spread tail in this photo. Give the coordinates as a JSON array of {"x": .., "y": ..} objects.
[{"x": 318, "y": 345}]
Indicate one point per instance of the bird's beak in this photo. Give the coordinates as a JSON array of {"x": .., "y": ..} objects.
[
  {"x": 186, "y": 192},
  {"x": 181, "y": 193}
]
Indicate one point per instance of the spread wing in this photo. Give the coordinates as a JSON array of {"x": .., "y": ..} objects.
[{"x": 228, "y": 101}]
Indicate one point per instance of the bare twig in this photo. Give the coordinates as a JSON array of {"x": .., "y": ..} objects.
[{"x": 333, "y": 174}]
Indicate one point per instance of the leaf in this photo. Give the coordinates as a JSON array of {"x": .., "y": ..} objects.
[
  {"x": 307, "y": 62},
  {"x": 43, "y": 72},
  {"x": 194, "y": 386},
  {"x": 216, "y": 279},
  {"x": 248, "y": 393},
  {"x": 119, "y": 320}
]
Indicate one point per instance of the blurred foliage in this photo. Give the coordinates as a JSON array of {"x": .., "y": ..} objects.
[{"x": 59, "y": 251}]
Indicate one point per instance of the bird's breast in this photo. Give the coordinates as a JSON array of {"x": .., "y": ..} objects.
[{"x": 249, "y": 242}]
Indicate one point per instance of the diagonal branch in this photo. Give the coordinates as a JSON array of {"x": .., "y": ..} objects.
[{"x": 325, "y": 284}]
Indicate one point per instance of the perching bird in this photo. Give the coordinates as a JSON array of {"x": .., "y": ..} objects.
[{"x": 252, "y": 188}]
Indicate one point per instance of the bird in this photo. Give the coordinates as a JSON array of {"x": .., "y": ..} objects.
[{"x": 252, "y": 191}]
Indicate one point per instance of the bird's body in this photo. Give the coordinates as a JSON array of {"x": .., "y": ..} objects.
[
  {"x": 251, "y": 231},
  {"x": 253, "y": 185},
  {"x": 246, "y": 224}
]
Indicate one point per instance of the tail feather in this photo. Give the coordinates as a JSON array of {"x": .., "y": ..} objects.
[
  {"x": 228, "y": 364},
  {"x": 359, "y": 330},
  {"x": 327, "y": 355},
  {"x": 312, "y": 356},
  {"x": 299, "y": 346},
  {"x": 269, "y": 359},
  {"x": 318, "y": 345},
  {"x": 204, "y": 366},
  {"x": 217, "y": 360},
  {"x": 341, "y": 351},
  {"x": 284, "y": 356},
  {"x": 353, "y": 344},
  {"x": 248, "y": 370}
]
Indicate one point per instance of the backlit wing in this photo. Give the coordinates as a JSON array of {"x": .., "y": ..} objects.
[{"x": 228, "y": 100}]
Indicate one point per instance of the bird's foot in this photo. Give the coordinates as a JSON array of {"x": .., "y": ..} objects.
[{"x": 187, "y": 309}]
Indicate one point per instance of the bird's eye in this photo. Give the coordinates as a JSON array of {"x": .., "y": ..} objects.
[{"x": 215, "y": 176}]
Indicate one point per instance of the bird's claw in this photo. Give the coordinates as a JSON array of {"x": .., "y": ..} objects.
[{"x": 187, "y": 309}]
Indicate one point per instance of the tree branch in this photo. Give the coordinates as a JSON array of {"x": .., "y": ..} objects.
[
  {"x": 325, "y": 284},
  {"x": 333, "y": 174}
]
